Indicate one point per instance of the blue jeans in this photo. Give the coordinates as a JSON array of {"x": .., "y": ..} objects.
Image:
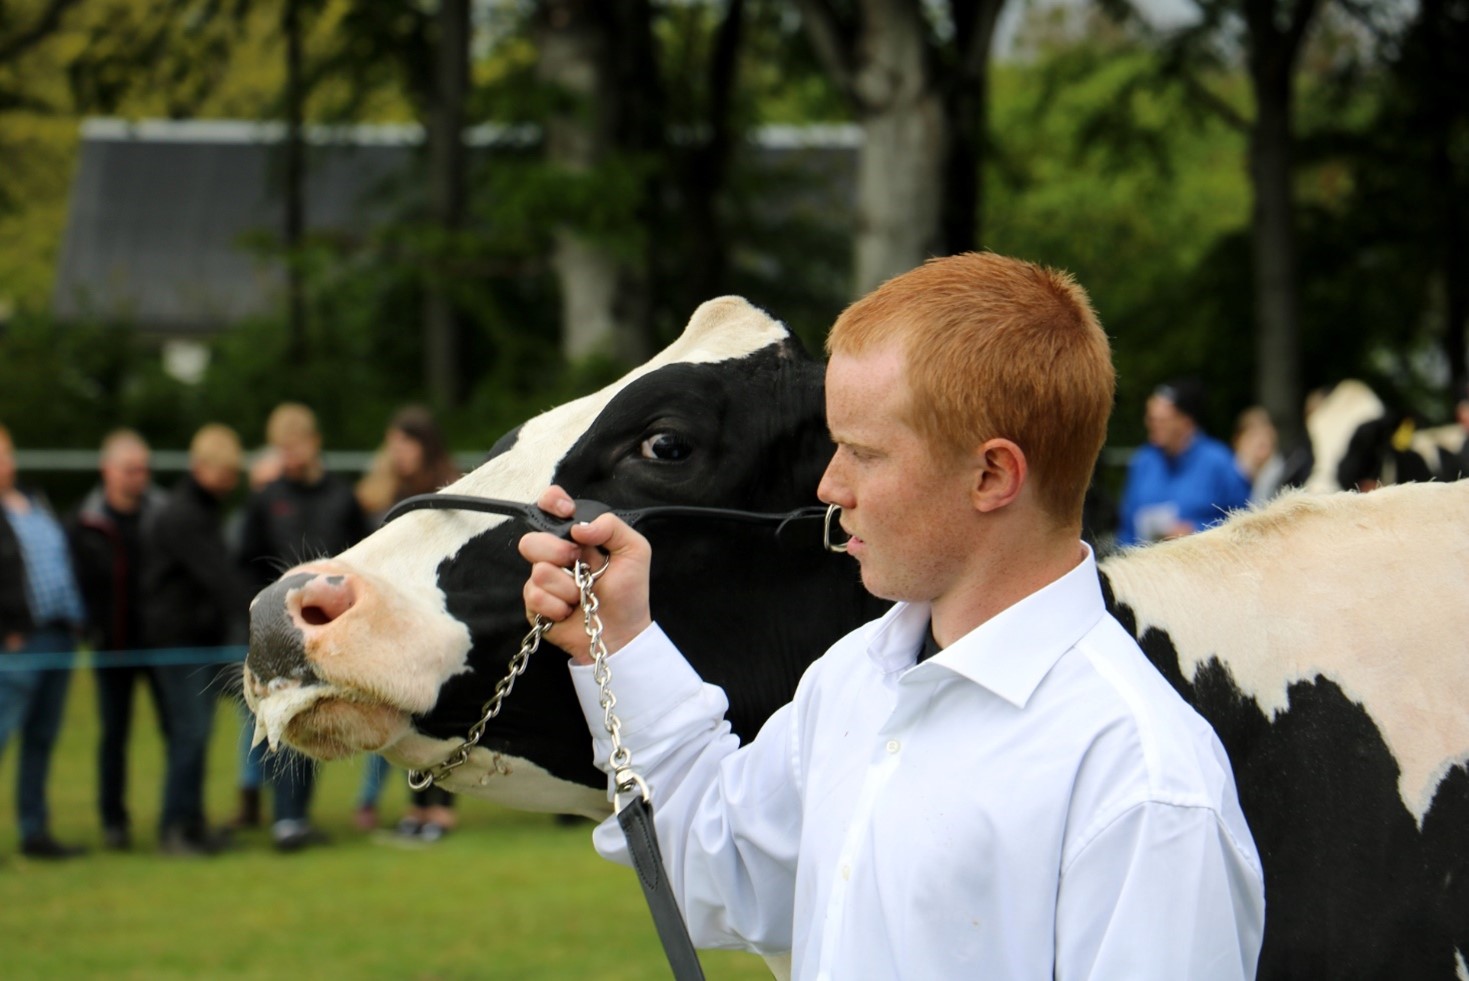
[
  {"x": 188, "y": 708},
  {"x": 33, "y": 702},
  {"x": 252, "y": 758},
  {"x": 115, "y": 705},
  {"x": 373, "y": 771},
  {"x": 292, "y": 776}
]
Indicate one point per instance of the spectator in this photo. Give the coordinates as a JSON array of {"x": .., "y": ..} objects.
[
  {"x": 40, "y": 613},
  {"x": 412, "y": 460},
  {"x": 303, "y": 514},
  {"x": 107, "y": 550},
  {"x": 265, "y": 466},
  {"x": 194, "y": 598},
  {"x": 1458, "y": 465},
  {"x": 1183, "y": 479},
  {"x": 1257, "y": 453}
]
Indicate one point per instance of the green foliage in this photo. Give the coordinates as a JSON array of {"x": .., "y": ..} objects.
[
  {"x": 68, "y": 385},
  {"x": 1127, "y": 186}
]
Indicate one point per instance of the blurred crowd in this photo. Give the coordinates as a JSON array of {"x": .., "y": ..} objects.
[{"x": 156, "y": 583}]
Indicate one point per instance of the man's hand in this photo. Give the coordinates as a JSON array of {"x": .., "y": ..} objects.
[
  {"x": 622, "y": 591},
  {"x": 14, "y": 642}
]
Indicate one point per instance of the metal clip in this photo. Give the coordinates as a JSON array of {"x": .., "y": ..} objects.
[{"x": 831, "y": 512}]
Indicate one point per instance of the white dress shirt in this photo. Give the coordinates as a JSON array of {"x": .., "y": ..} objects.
[{"x": 1034, "y": 801}]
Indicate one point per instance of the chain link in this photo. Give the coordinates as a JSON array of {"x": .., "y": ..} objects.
[
  {"x": 624, "y": 780},
  {"x": 423, "y": 779}
]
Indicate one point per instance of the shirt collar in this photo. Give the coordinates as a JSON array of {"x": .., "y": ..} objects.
[{"x": 1010, "y": 653}]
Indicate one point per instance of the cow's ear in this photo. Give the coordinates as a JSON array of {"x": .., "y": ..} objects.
[{"x": 999, "y": 474}]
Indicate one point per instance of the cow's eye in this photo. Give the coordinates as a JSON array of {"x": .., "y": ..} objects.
[{"x": 665, "y": 446}]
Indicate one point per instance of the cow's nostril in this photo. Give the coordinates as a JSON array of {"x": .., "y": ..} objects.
[{"x": 324, "y": 599}]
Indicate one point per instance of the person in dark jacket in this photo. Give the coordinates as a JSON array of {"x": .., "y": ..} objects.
[
  {"x": 40, "y": 613},
  {"x": 306, "y": 513},
  {"x": 194, "y": 599},
  {"x": 106, "y": 540}
]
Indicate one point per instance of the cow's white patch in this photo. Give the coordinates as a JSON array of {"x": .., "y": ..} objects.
[
  {"x": 399, "y": 644},
  {"x": 1277, "y": 594},
  {"x": 1331, "y": 425},
  {"x": 407, "y": 553},
  {"x": 508, "y": 780}
]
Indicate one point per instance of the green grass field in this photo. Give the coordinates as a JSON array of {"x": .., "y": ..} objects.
[{"x": 507, "y": 895}]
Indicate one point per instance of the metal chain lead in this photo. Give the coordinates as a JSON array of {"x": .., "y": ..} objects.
[
  {"x": 423, "y": 779},
  {"x": 620, "y": 762}
]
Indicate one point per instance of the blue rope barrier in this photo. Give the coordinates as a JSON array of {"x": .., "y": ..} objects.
[{"x": 123, "y": 659}]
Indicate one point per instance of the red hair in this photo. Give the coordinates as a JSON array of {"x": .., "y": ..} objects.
[{"x": 997, "y": 347}]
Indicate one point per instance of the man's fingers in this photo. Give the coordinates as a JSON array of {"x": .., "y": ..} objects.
[{"x": 554, "y": 500}]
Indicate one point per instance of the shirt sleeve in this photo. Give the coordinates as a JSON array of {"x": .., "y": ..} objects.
[
  {"x": 1163, "y": 892},
  {"x": 728, "y": 817}
]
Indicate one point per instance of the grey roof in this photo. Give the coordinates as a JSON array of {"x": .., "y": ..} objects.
[{"x": 163, "y": 214}]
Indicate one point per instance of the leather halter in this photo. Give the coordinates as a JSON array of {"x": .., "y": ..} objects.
[{"x": 589, "y": 510}]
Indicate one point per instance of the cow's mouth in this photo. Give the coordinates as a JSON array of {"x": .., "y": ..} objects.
[
  {"x": 325, "y": 722},
  {"x": 333, "y": 728}
]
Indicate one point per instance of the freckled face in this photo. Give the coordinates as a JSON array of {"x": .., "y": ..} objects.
[{"x": 902, "y": 503}]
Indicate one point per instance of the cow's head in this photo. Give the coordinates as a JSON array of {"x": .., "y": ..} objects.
[{"x": 394, "y": 645}]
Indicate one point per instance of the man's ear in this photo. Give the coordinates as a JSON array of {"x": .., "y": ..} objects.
[{"x": 1000, "y": 472}]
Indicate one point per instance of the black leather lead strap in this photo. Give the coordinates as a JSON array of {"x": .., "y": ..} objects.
[
  {"x": 642, "y": 843},
  {"x": 588, "y": 510}
]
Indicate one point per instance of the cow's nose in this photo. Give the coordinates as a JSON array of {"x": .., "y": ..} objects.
[
  {"x": 288, "y": 613},
  {"x": 322, "y": 599}
]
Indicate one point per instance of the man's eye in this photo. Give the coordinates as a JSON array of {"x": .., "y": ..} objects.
[{"x": 667, "y": 447}]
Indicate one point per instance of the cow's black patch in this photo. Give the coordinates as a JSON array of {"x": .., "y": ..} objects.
[
  {"x": 1353, "y": 889},
  {"x": 750, "y": 434}
]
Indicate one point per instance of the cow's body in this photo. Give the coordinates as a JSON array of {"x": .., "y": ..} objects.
[
  {"x": 1358, "y": 442},
  {"x": 1324, "y": 638}
]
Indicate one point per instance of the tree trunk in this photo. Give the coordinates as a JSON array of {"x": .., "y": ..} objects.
[
  {"x": 446, "y": 163},
  {"x": 1277, "y": 327},
  {"x": 593, "y": 52},
  {"x": 966, "y": 105},
  {"x": 921, "y": 104},
  {"x": 905, "y": 143},
  {"x": 705, "y": 173},
  {"x": 294, "y": 179},
  {"x": 1450, "y": 247}
]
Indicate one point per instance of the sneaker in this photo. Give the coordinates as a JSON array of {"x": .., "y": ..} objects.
[
  {"x": 248, "y": 816},
  {"x": 432, "y": 832},
  {"x": 117, "y": 839},
  {"x": 409, "y": 827},
  {"x": 48, "y": 848},
  {"x": 292, "y": 836},
  {"x": 177, "y": 841}
]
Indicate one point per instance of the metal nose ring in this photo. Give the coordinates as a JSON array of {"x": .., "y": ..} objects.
[{"x": 832, "y": 512}]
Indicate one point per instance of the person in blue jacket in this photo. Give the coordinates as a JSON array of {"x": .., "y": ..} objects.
[{"x": 1183, "y": 480}]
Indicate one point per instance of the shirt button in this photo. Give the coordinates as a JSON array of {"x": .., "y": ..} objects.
[
  {"x": 894, "y": 745},
  {"x": 846, "y": 873}
]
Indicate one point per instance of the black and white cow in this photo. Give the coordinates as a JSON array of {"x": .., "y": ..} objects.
[
  {"x": 1359, "y": 442},
  {"x": 1324, "y": 637}
]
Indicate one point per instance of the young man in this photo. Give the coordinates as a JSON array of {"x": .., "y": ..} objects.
[
  {"x": 990, "y": 780},
  {"x": 107, "y": 547},
  {"x": 40, "y": 613},
  {"x": 305, "y": 512},
  {"x": 195, "y": 597},
  {"x": 1182, "y": 480}
]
